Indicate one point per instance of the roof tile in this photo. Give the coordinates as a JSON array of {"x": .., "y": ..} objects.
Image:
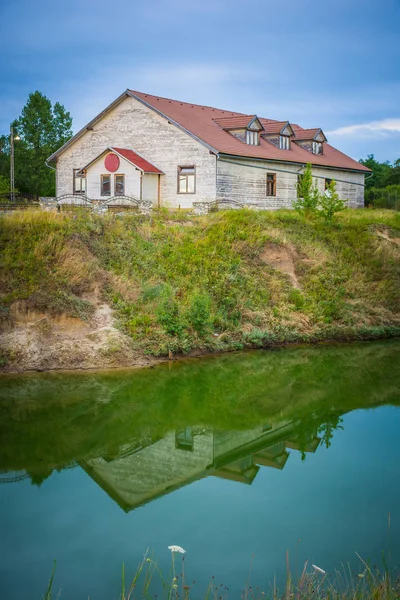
[{"x": 200, "y": 121}]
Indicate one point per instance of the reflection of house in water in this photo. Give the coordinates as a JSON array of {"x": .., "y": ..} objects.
[{"x": 141, "y": 473}]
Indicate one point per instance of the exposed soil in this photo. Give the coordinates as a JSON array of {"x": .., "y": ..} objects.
[
  {"x": 283, "y": 259},
  {"x": 34, "y": 341}
]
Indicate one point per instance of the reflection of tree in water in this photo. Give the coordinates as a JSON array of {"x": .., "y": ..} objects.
[
  {"x": 319, "y": 425},
  {"x": 326, "y": 429},
  {"x": 37, "y": 478}
]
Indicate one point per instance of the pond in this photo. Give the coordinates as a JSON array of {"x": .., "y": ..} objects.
[{"x": 253, "y": 453}]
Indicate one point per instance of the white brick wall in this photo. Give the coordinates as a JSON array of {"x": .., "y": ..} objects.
[
  {"x": 133, "y": 125},
  {"x": 93, "y": 177},
  {"x": 246, "y": 182}
]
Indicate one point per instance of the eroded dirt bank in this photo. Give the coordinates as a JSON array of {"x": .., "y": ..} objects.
[{"x": 35, "y": 341}]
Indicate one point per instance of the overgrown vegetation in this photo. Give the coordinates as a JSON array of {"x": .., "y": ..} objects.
[
  {"x": 382, "y": 188},
  {"x": 313, "y": 584},
  {"x": 41, "y": 128},
  {"x": 225, "y": 281},
  {"x": 311, "y": 203}
]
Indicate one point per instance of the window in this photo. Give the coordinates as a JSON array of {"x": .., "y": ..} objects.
[
  {"x": 317, "y": 147},
  {"x": 105, "y": 185},
  {"x": 79, "y": 183},
  {"x": 119, "y": 185},
  {"x": 252, "y": 138},
  {"x": 284, "y": 142},
  {"x": 271, "y": 184},
  {"x": 186, "y": 180},
  {"x": 184, "y": 439},
  {"x": 327, "y": 183}
]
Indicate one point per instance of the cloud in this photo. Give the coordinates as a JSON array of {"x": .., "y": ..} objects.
[{"x": 382, "y": 128}]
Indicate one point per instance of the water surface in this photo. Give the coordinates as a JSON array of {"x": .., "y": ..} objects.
[{"x": 250, "y": 453}]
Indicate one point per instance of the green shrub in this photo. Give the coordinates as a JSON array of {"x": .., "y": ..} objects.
[
  {"x": 307, "y": 194},
  {"x": 387, "y": 197},
  {"x": 329, "y": 203},
  {"x": 199, "y": 313},
  {"x": 168, "y": 316}
]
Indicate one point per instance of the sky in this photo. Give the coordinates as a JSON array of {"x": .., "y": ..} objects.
[{"x": 333, "y": 64}]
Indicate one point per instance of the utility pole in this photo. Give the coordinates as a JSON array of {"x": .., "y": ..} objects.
[
  {"x": 12, "y": 173},
  {"x": 12, "y": 182}
]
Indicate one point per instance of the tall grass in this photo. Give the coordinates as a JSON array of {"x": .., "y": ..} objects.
[
  {"x": 179, "y": 282},
  {"x": 314, "y": 583}
]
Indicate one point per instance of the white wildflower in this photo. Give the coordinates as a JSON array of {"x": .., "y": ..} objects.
[
  {"x": 318, "y": 569},
  {"x": 177, "y": 549}
]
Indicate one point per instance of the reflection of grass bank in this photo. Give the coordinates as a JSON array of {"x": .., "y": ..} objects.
[
  {"x": 225, "y": 281},
  {"x": 48, "y": 421},
  {"x": 313, "y": 584}
]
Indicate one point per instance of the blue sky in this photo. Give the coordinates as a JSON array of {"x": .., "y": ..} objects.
[{"x": 319, "y": 63}]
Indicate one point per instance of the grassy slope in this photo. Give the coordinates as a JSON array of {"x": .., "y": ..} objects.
[{"x": 180, "y": 283}]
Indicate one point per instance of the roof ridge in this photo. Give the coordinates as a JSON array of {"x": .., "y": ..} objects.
[{"x": 145, "y": 94}]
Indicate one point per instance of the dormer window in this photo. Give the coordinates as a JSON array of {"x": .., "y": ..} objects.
[
  {"x": 252, "y": 138},
  {"x": 284, "y": 142},
  {"x": 278, "y": 133},
  {"x": 311, "y": 140},
  {"x": 317, "y": 147},
  {"x": 245, "y": 128}
]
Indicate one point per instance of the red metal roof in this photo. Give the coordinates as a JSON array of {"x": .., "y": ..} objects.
[
  {"x": 137, "y": 160},
  {"x": 200, "y": 121}
]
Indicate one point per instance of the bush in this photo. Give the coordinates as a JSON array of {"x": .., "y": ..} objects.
[
  {"x": 307, "y": 194},
  {"x": 329, "y": 203},
  {"x": 387, "y": 197},
  {"x": 168, "y": 316},
  {"x": 199, "y": 314}
]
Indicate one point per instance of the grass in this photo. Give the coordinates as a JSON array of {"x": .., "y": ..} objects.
[
  {"x": 313, "y": 584},
  {"x": 180, "y": 283}
]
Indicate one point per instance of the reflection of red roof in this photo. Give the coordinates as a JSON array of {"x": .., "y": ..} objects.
[
  {"x": 142, "y": 164},
  {"x": 200, "y": 122}
]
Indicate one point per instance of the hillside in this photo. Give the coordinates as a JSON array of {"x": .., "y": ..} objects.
[{"x": 83, "y": 291}]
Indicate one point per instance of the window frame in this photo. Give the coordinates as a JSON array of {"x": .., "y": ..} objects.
[
  {"x": 273, "y": 181},
  {"x": 102, "y": 176},
  {"x": 317, "y": 145},
  {"x": 115, "y": 184},
  {"x": 286, "y": 145},
  {"x": 252, "y": 137},
  {"x": 82, "y": 180},
  {"x": 179, "y": 175}
]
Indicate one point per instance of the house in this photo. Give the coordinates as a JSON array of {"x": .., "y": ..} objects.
[
  {"x": 146, "y": 470},
  {"x": 177, "y": 154}
]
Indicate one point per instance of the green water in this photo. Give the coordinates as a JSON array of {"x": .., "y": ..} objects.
[{"x": 229, "y": 456}]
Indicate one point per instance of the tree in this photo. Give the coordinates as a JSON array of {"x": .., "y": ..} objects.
[
  {"x": 392, "y": 176},
  {"x": 42, "y": 129},
  {"x": 380, "y": 171},
  {"x": 330, "y": 203},
  {"x": 307, "y": 193}
]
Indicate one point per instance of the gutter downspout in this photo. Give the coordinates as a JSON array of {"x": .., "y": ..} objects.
[{"x": 50, "y": 167}]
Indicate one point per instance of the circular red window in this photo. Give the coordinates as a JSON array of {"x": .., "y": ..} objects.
[{"x": 111, "y": 162}]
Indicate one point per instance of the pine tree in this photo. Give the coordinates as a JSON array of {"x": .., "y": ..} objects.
[
  {"x": 307, "y": 194},
  {"x": 330, "y": 203}
]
